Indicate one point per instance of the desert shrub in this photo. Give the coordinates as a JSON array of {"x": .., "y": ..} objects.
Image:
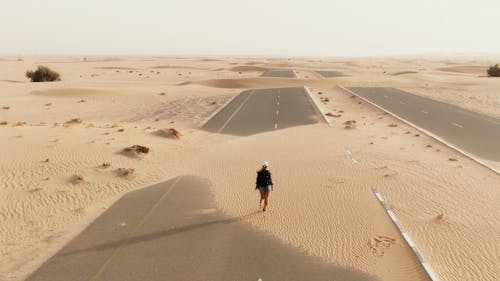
[
  {"x": 494, "y": 70},
  {"x": 42, "y": 74}
]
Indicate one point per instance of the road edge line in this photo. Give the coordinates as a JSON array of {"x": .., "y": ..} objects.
[
  {"x": 328, "y": 122},
  {"x": 470, "y": 156},
  {"x": 236, "y": 111},
  {"x": 319, "y": 75},
  {"x": 406, "y": 236},
  {"x": 219, "y": 109},
  {"x": 117, "y": 250}
]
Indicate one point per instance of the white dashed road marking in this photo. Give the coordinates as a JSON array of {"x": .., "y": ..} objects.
[
  {"x": 456, "y": 125},
  {"x": 424, "y": 112},
  {"x": 353, "y": 159},
  {"x": 277, "y": 112},
  {"x": 401, "y": 102},
  {"x": 276, "y": 125}
]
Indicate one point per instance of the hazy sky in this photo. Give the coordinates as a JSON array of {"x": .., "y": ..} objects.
[{"x": 253, "y": 27}]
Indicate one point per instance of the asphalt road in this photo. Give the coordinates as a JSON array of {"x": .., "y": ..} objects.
[
  {"x": 473, "y": 132},
  {"x": 256, "y": 111},
  {"x": 279, "y": 73},
  {"x": 172, "y": 231},
  {"x": 330, "y": 73}
]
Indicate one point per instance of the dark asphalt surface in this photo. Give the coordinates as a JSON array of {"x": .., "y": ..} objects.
[
  {"x": 330, "y": 73},
  {"x": 172, "y": 231},
  {"x": 256, "y": 111},
  {"x": 473, "y": 132},
  {"x": 279, "y": 73}
]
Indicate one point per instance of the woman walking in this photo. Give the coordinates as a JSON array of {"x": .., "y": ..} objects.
[{"x": 264, "y": 184}]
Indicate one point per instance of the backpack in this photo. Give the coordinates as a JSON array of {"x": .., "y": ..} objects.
[{"x": 263, "y": 178}]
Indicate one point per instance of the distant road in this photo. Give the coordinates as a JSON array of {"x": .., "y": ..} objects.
[
  {"x": 173, "y": 231},
  {"x": 279, "y": 73},
  {"x": 256, "y": 111},
  {"x": 330, "y": 73},
  {"x": 476, "y": 133}
]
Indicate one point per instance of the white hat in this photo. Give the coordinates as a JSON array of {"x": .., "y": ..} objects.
[{"x": 265, "y": 164}]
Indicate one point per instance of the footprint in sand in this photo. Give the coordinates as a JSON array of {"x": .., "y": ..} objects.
[
  {"x": 334, "y": 181},
  {"x": 379, "y": 244}
]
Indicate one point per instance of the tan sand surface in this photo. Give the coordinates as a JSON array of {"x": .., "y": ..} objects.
[{"x": 61, "y": 160}]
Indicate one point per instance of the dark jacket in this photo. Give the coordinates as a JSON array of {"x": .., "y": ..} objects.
[{"x": 264, "y": 178}]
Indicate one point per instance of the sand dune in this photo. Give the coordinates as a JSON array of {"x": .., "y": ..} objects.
[
  {"x": 13, "y": 81},
  {"x": 167, "y": 66},
  {"x": 266, "y": 82},
  {"x": 469, "y": 69},
  {"x": 248, "y": 68},
  {"x": 116, "y": 68},
  {"x": 225, "y": 83},
  {"x": 69, "y": 92},
  {"x": 55, "y": 177},
  {"x": 403, "y": 72}
]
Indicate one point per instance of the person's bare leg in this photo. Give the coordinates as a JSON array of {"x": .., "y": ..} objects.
[
  {"x": 261, "y": 197},
  {"x": 266, "y": 195}
]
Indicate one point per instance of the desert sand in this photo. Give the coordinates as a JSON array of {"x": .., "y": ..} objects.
[{"x": 62, "y": 161}]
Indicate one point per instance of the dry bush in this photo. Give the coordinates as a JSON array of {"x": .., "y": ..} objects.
[
  {"x": 452, "y": 159},
  {"x": 3, "y": 123},
  {"x": 106, "y": 165},
  {"x": 393, "y": 125},
  {"x": 121, "y": 130},
  {"x": 77, "y": 179},
  {"x": 74, "y": 121},
  {"x": 392, "y": 174},
  {"x": 168, "y": 133},
  {"x": 6, "y": 107},
  {"x": 43, "y": 74},
  {"x": 80, "y": 210},
  {"x": 440, "y": 216},
  {"x": 137, "y": 149},
  {"x": 36, "y": 189},
  {"x": 494, "y": 71},
  {"x": 333, "y": 115},
  {"x": 19, "y": 124},
  {"x": 125, "y": 171},
  {"x": 350, "y": 124}
]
